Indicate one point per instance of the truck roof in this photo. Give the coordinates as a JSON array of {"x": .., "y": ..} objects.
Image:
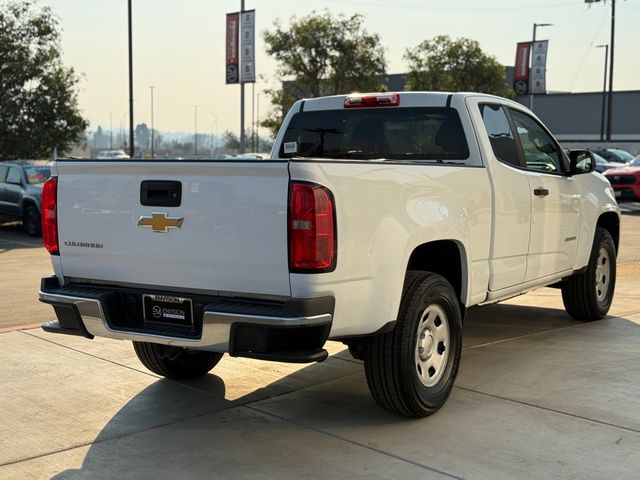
[{"x": 406, "y": 99}]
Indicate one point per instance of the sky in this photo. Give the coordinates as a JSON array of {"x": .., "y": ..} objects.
[{"x": 179, "y": 48}]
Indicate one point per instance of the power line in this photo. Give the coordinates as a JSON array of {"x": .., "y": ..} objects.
[{"x": 584, "y": 59}]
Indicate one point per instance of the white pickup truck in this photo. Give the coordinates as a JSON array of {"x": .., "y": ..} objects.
[{"x": 378, "y": 220}]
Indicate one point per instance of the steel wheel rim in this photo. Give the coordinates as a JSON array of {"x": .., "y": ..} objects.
[
  {"x": 30, "y": 226},
  {"x": 432, "y": 345},
  {"x": 603, "y": 274}
]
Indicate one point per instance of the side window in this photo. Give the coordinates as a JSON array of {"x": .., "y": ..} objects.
[
  {"x": 500, "y": 135},
  {"x": 14, "y": 175},
  {"x": 3, "y": 173},
  {"x": 540, "y": 151}
]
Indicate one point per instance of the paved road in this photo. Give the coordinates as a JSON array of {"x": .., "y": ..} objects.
[{"x": 538, "y": 396}]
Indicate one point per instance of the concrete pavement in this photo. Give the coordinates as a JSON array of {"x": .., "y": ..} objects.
[
  {"x": 23, "y": 261},
  {"x": 538, "y": 396}
]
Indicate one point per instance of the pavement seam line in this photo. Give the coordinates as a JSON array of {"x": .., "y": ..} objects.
[
  {"x": 144, "y": 372},
  {"x": 232, "y": 405},
  {"x": 547, "y": 409},
  {"x": 520, "y": 337},
  {"x": 173, "y": 382},
  {"x": 353, "y": 442},
  {"x": 114, "y": 437},
  {"x": 543, "y": 332}
]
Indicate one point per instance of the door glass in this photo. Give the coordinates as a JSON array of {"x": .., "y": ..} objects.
[
  {"x": 540, "y": 152},
  {"x": 14, "y": 176},
  {"x": 3, "y": 173},
  {"x": 500, "y": 136}
]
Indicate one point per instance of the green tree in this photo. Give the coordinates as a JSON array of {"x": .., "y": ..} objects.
[
  {"x": 230, "y": 142},
  {"x": 322, "y": 54},
  {"x": 143, "y": 135},
  {"x": 444, "y": 64},
  {"x": 38, "y": 99}
]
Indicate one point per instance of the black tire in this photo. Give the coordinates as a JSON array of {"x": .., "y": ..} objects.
[
  {"x": 176, "y": 363},
  {"x": 584, "y": 296},
  {"x": 391, "y": 360},
  {"x": 31, "y": 221}
]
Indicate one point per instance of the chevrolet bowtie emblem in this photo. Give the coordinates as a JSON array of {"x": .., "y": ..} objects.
[{"x": 160, "y": 222}]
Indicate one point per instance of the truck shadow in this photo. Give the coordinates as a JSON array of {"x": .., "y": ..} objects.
[
  {"x": 12, "y": 236},
  {"x": 247, "y": 437}
]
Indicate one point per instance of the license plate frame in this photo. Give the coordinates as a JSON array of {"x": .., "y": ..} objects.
[{"x": 167, "y": 309}]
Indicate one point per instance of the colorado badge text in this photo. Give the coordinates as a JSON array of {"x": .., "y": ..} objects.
[{"x": 160, "y": 222}]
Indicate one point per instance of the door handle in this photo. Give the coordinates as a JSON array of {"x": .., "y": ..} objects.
[{"x": 541, "y": 192}]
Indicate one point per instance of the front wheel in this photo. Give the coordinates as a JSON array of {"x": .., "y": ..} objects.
[
  {"x": 588, "y": 295},
  {"x": 31, "y": 221},
  {"x": 176, "y": 363},
  {"x": 411, "y": 370}
]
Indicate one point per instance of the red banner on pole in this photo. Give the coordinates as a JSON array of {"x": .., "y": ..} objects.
[
  {"x": 231, "y": 61},
  {"x": 521, "y": 69}
]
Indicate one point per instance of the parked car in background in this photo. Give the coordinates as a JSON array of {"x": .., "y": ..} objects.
[
  {"x": 613, "y": 154},
  {"x": 602, "y": 165},
  {"x": 635, "y": 162},
  {"x": 21, "y": 192},
  {"x": 625, "y": 182},
  {"x": 112, "y": 155}
]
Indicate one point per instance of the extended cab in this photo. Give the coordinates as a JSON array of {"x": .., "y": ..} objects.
[{"x": 378, "y": 221}]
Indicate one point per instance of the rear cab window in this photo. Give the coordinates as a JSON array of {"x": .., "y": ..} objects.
[{"x": 408, "y": 133}]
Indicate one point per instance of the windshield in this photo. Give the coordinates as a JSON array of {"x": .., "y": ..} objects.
[
  {"x": 599, "y": 160},
  {"x": 37, "y": 175},
  {"x": 623, "y": 155},
  {"x": 376, "y": 133}
]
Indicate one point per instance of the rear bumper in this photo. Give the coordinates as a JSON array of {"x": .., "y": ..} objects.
[{"x": 293, "y": 330}]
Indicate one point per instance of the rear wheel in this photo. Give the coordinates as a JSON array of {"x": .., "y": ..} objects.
[
  {"x": 31, "y": 221},
  {"x": 411, "y": 370},
  {"x": 175, "y": 362},
  {"x": 588, "y": 295}
]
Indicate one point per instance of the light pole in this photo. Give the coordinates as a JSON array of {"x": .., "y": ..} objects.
[
  {"x": 613, "y": 36},
  {"x": 195, "y": 136},
  {"x": 242, "y": 137},
  {"x": 110, "y": 130},
  {"x": 124, "y": 137},
  {"x": 214, "y": 139},
  {"x": 258, "y": 123},
  {"x": 533, "y": 43},
  {"x": 612, "y": 44},
  {"x": 152, "y": 133},
  {"x": 604, "y": 89},
  {"x": 131, "y": 139}
]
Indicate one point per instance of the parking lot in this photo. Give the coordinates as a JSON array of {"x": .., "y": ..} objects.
[{"x": 538, "y": 395}]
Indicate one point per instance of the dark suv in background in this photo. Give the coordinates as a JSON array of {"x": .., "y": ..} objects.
[
  {"x": 21, "y": 191},
  {"x": 613, "y": 154}
]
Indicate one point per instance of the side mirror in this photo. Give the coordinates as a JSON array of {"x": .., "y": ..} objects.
[{"x": 581, "y": 161}]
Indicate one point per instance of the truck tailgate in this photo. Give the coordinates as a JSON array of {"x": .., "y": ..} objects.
[{"x": 233, "y": 236}]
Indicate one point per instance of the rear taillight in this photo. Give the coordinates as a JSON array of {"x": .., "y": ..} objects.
[
  {"x": 312, "y": 233},
  {"x": 372, "y": 100},
  {"x": 50, "y": 216}
]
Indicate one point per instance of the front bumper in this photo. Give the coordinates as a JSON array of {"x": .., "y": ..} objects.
[
  {"x": 293, "y": 330},
  {"x": 626, "y": 193}
]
